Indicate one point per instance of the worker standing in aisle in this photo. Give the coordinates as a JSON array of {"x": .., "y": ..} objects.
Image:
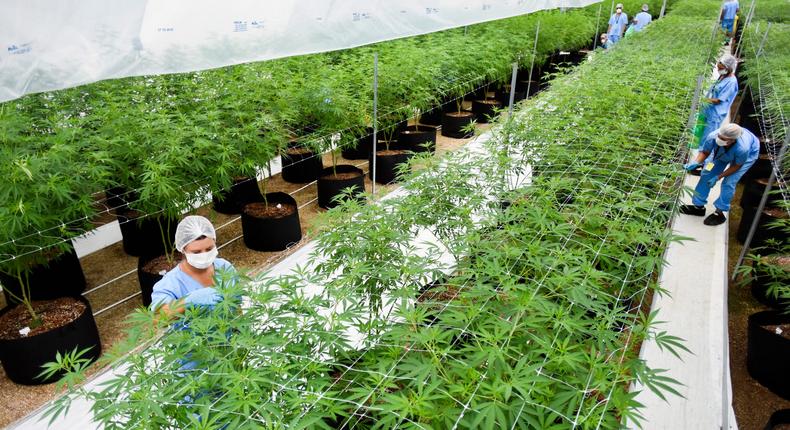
[
  {"x": 617, "y": 24},
  {"x": 729, "y": 10},
  {"x": 191, "y": 283},
  {"x": 643, "y": 18},
  {"x": 733, "y": 150},
  {"x": 721, "y": 95},
  {"x": 631, "y": 28}
]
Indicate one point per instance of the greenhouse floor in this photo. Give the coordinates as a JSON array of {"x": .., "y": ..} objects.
[{"x": 17, "y": 401}]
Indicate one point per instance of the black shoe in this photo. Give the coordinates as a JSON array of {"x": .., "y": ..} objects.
[
  {"x": 716, "y": 218},
  {"x": 693, "y": 210}
]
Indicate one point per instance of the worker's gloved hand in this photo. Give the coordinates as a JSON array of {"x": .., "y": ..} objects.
[
  {"x": 207, "y": 296},
  {"x": 691, "y": 166},
  {"x": 712, "y": 181}
]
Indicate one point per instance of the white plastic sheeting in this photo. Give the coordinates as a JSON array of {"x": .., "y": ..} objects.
[{"x": 48, "y": 45}]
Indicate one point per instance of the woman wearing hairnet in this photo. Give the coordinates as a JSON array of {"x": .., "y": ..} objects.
[
  {"x": 191, "y": 282},
  {"x": 732, "y": 150},
  {"x": 721, "y": 95}
]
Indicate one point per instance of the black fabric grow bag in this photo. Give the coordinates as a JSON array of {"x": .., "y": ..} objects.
[
  {"x": 144, "y": 236},
  {"x": 60, "y": 277},
  {"x": 416, "y": 140},
  {"x": 778, "y": 418},
  {"x": 761, "y": 280},
  {"x": 485, "y": 110},
  {"x": 453, "y": 124},
  {"x": 362, "y": 146},
  {"x": 329, "y": 188},
  {"x": 117, "y": 199},
  {"x": 386, "y": 166},
  {"x": 22, "y": 358},
  {"x": 301, "y": 167},
  {"x": 753, "y": 191},
  {"x": 763, "y": 232},
  {"x": 269, "y": 233},
  {"x": 767, "y": 353}
]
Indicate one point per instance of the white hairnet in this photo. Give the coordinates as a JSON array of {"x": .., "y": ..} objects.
[
  {"x": 729, "y": 62},
  {"x": 731, "y": 131},
  {"x": 645, "y": 7},
  {"x": 191, "y": 228},
  {"x": 619, "y": 6}
]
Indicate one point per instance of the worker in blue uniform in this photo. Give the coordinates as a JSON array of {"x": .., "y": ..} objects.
[
  {"x": 191, "y": 283},
  {"x": 729, "y": 10},
  {"x": 721, "y": 95},
  {"x": 732, "y": 150},
  {"x": 643, "y": 18},
  {"x": 617, "y": 24}
]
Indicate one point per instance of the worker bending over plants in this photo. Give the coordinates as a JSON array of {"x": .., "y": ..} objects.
[{"x": 732, "y": 150}]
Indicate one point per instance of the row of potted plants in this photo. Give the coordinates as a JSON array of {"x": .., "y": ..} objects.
[{"x": 537, "y": 322}]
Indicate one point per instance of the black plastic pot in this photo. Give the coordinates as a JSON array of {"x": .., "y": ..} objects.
[
  {"x": 62, "y": 276},
  {"x": 387, "y": 163},
  {"x": 761, "y": 280},
  {"x": 503, "y": 95},
  {"x": 453, "y": 124},
  {"x": 763, "y": 232},
  {"x": 329, "y": 187},
  {"x": 768, "y": 353},
  {"x": 362, "y": 147},
  {"x": 778, "y": 418},
  {"x": 485, "y": 110},
  {"x": 432, "y": 117},
  {"x": 22, "y": 358},
  {"x": 753, "y": 191},
  {"x": 272, "y": 234},
  {"x": 422, "y": 139},
  {"x": 118, "y": 199},
  {"x": 243, "y": 191},
  {"x": 150, "y": 235},
  {"x": 300, "y": 166}
]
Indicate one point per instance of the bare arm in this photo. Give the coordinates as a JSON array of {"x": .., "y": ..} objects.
[
  {"x": 730, "y": 170},
  {"x": 701, "y": 156}
]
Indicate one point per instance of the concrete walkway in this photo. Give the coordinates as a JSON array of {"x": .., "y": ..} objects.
[{"x": 695, "y": 310}]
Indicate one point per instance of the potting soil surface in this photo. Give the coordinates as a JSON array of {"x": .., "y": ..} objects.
[
  {"x": 162, "y": 264},
  {"x": 52, "y": 313},
  {"x": 118, "y": 270},
  {"x": 341, "y": 176},
  {"x": 273, "y": 210}
]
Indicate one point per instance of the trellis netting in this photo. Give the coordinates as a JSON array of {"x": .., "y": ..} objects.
[{"x": 53, "y": 45}]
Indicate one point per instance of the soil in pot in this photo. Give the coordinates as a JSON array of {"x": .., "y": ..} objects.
[
  {"x": 62, "y": 276},
  {"x": 151, "y": 270},
  {"x": 146, "y": 235},
  {"x": 763, "y": 280},
  {"x": 271, "y": 225},
  {"x": 244, "y": 190},
  {"x": 454, "y": 123},
  {"x": 333, "y": 182},
  {"x": 387, "y": 162},
  {"x": 362, "y": 146},
  {"x": 418, "y": 139},
  {"x": 300, "y": 165},
  {"x": 753, "y": 191},
  {"x": 485, "y": 110},
  {"x": 67, "y": 323},
  {"x": 768, "y": 351}
]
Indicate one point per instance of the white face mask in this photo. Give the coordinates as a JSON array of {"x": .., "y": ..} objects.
[
  {"x": 723, "y": 72},
  {"x": 618, "y": 10},
  {"x": 204, "y": 260},
  {"x": 721, "y": 142}
]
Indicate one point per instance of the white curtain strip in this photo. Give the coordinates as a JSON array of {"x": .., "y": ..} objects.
[{"x": 48, "y": 45}]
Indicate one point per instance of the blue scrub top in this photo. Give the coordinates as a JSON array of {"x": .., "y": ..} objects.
[
  {"x": 642, "y": 19},
  {"x": 618, "y": 24},
  {"x": 730, "y": 9},
  {"x": 725, "y": 90},
  {"x": 176, "y": 284},
  {"x": 746, "y": 149}
]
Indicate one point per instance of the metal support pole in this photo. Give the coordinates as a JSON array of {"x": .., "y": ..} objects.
[
  {"x": 466, "y": 29},
  {"x": 663, "y": 9},
  {"x": 761, "y": 206},
  {"x": 694, "y": 106},
  {"x": 762, "y": 42},
  {"x": 597, "y": 26},
  {"x": 512, "y": 91},
  {"x": 532, "y": 61},
  {"x": 375, "y": 115}
]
